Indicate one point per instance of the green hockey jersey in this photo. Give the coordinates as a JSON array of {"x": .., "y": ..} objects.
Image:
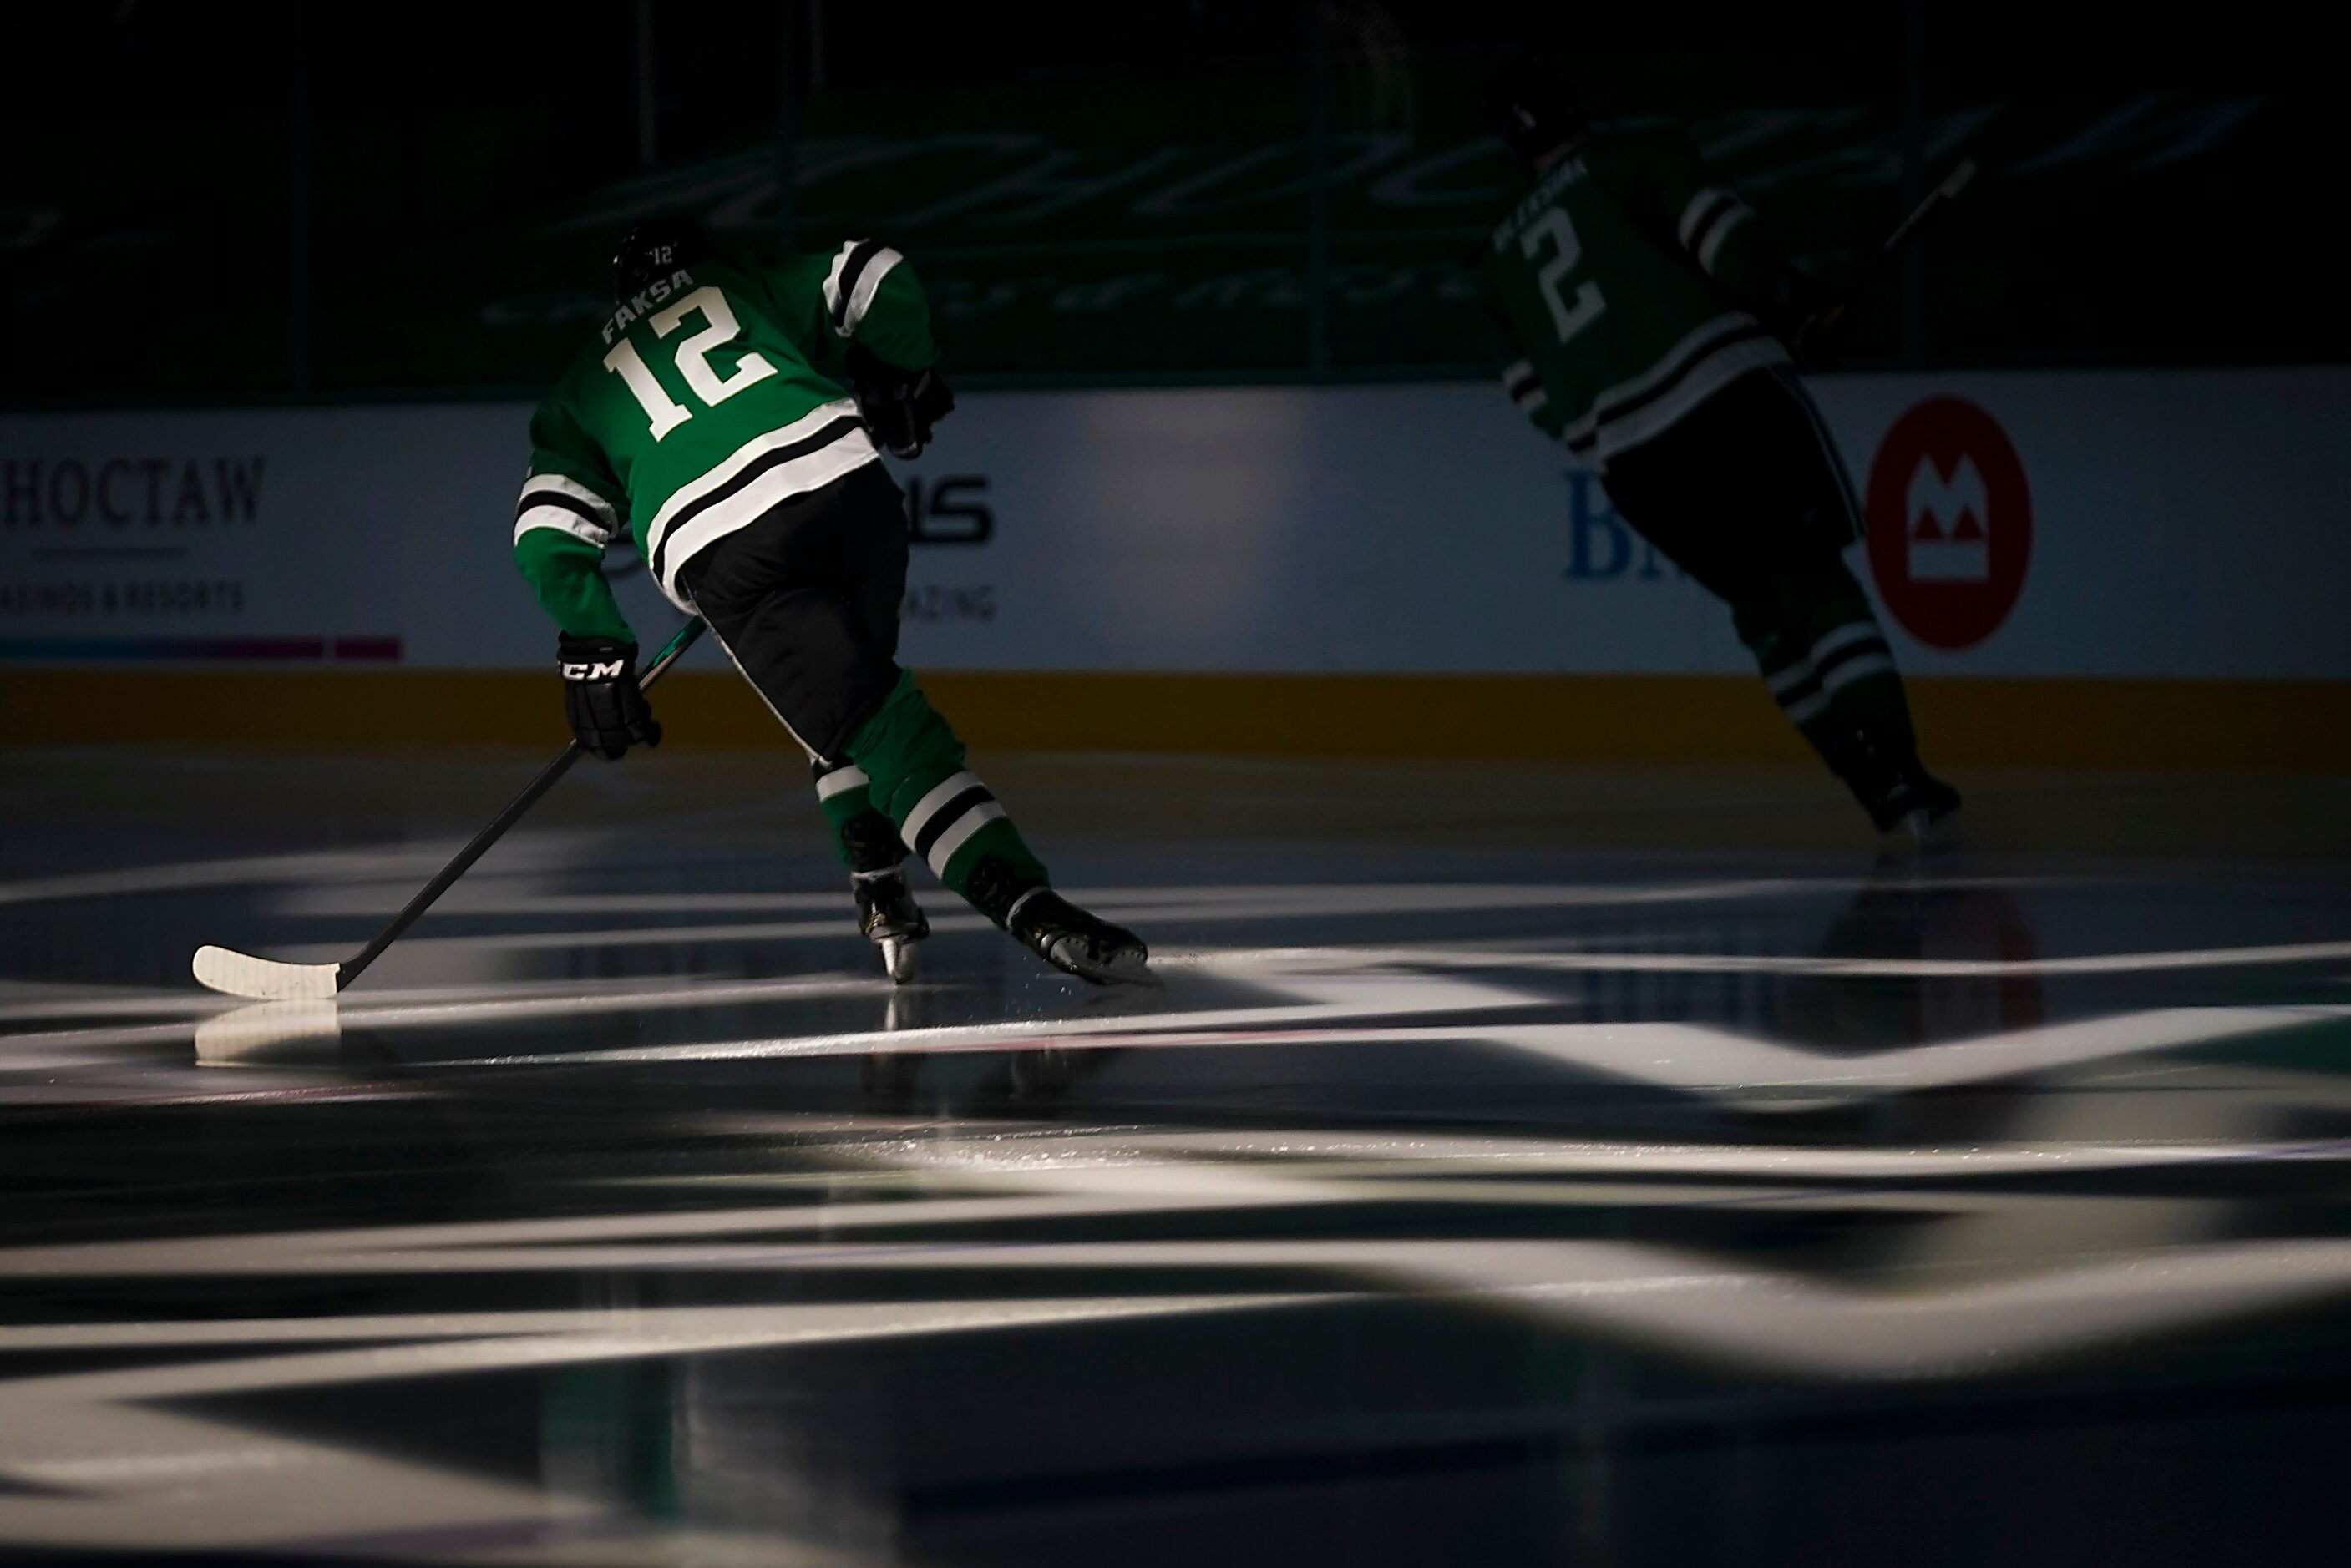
[
  {"x": 1624, "y": 290},
  {"x": 717, "y": 393}
]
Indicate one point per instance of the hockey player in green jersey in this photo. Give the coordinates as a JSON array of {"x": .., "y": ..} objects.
[
  {"x": 728, "y": 415},
  {"x": 1641, "y": 313}
]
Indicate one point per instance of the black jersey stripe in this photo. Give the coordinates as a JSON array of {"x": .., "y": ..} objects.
[
  {"x": 946, "y": 816},
  {"x": 765, "y": 463},
  {"x": 534, "y": 499},
  {"x": 860, "y": 258},
  {"x": 1697, "y": 357}
]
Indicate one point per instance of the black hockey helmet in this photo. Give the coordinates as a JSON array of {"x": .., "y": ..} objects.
[
  {"x": 655, "y": 248},
  {"x": 1537, "y": 109}
]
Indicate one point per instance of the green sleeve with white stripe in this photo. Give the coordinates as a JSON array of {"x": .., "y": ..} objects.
[
  {"x": 571, "y": 509},
  {"x": 1521, "y": 381},
  {"x": 896, "y": 324},
  {"x": 888, "y": 315},
  {"x": 1679, "y": 196}
]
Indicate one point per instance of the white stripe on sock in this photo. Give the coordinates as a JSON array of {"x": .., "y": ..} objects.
[
  {"x": 1853, "y": 631},
  {"x": 956, "y": 837},
  {"x": 933, "y": 803},
  {"x": 1854, "y": 669},
  {"x": 841, "y": 781},
  {"x": 1810, "y": 708}
]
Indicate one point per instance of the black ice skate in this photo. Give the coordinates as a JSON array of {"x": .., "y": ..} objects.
[
  {"x": 1911, "y": 801},
  {"x": 890, "y": 919},
  {"x": 1069, "y": 938}
]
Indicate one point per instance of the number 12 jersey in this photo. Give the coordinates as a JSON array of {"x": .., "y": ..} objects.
[{"x": 718, "y": 392}]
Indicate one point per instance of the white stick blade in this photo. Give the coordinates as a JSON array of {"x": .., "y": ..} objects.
[{"x": 264, "y": 980}]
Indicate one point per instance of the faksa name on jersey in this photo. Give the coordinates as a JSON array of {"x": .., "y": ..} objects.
[{"x": 654, "y": 293}]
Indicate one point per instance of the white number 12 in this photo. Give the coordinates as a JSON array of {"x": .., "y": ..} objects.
[{"x": 692, "y": 359}]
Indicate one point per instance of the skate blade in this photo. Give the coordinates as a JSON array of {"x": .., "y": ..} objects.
[
  {"x": 1924, "y": 831},
  {"x": 898, "y": 958},
  {"x": 1127, "y": 968}
]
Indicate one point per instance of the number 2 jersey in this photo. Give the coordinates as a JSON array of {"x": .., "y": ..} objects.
[
  {"x": 717, "y": 393},
  {"x": 1624, "y": 289}
]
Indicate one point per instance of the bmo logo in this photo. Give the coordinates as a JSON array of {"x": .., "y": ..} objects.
[{"x": 1951, "y": 524}]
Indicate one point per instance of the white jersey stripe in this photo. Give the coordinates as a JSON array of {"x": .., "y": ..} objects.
[
  {"x": 742, "y": 457},
  {"x": 1671, "y": 359},
  {"x": 1796, "y": 675},
  {"x": 1704, "y": 379},
  {"x": 832, "y": 279},
  {"x": 819, "y": 467},
  {"x": 1721, "y": 232},
  {"x": 861, "y": 299},
  {"x": 563, "y": 522},
  {"x": 748, "y": 504},
  {"x": 1666, "y": 365},
  {"x": 956, "y": 837},
  {"x": 560, "y": 485},
  {"x": 1699, "y": 204}
]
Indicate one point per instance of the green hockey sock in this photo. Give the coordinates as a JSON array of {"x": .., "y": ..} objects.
[
  {"x": 915, "y": 775},
  {"x": 863, "y": 838},
  {"x": 1825, "y": 658}
]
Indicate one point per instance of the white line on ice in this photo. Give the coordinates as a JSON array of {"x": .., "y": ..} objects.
[{"x": 1201, "y": 905}]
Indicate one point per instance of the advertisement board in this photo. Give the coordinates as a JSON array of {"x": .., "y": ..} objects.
[{"x": 2051, "y": 524}]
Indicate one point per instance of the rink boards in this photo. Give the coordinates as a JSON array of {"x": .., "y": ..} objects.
[{"x": 2133, "y": 567}]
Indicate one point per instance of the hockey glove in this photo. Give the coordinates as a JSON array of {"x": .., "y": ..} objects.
[
  {"x": 899, "y": 407},
  {"x": 608, "y": 713}
]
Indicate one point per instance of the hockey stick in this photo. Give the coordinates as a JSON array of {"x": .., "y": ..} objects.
[
  {"x": 1828, "y": 321},
  {"x": 267, "y": 979}
]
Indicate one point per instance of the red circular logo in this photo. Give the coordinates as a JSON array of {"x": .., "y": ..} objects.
[{"x": 1950, "y": 523}]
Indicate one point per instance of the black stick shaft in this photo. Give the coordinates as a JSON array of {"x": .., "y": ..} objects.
[
  {"x": 442, "y": 881},
  {"x": 1946, "y": 191}
]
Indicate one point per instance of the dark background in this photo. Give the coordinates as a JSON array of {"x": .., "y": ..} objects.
[{"x": 286, "y": 201}]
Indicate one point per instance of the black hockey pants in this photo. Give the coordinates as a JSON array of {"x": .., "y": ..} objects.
[
  {"x": 806, "y": 601},
  {"x": 1743, "y": 488}
]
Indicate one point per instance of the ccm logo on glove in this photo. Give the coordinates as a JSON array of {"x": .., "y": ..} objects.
[{"x": 607, "y": 713}]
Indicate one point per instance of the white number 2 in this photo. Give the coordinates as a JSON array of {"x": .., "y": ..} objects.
[
  {"x": 692, "y": 359},
  {"x": 1552, "y": 226}
]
